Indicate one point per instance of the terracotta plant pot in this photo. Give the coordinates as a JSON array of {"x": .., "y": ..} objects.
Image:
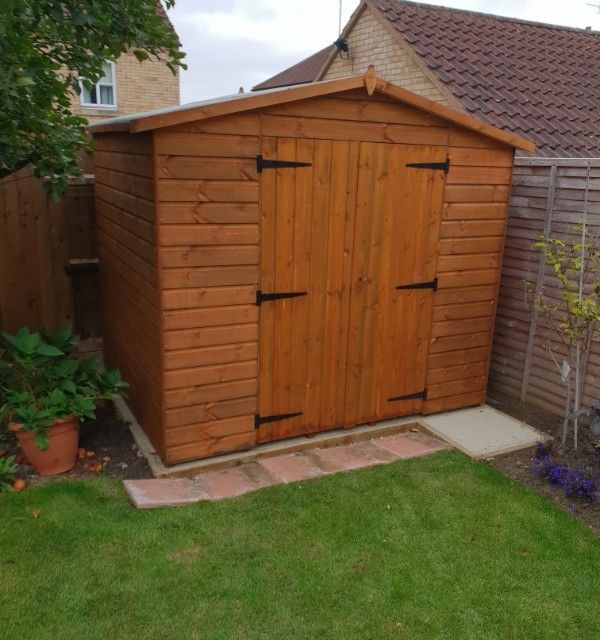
[{"x": 60, "y": 456}]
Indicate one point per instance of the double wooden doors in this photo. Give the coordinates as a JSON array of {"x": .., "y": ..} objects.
[{"x": 348, "y": 253}]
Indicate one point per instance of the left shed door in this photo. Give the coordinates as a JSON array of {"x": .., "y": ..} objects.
[{"x": 306, "y": 248}]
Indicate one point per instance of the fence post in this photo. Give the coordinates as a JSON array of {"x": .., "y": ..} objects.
[{"x": 539, "y": 283}]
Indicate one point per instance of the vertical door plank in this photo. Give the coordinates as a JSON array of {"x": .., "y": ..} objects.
[
  {"x": 333, "y": 310},
  {"x": 284, "y": 272},
  {"x": 303, "y": 209},
  {"x": 348, "y": 250},
  {"x": 318, "y": 277},
  {"x": 376, "y": 284},
  {"x": 358, "y": 298},
  {"x": 267, "y": 281}
]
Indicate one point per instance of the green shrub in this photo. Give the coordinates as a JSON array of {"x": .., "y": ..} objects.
[{"x": 42, "y": 382}]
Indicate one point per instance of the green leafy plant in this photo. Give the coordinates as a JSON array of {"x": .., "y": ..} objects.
[
  {"x": 574, "y": 315},
  {"x": 46, "y": 48},
  {"x": 8, "y": 470},
  {"x": 41, "y": 382}
]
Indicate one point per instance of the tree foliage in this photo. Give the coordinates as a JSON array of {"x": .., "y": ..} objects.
[
  {"x": 574, "y": 316},
  {"x": 45, "y": 47}
]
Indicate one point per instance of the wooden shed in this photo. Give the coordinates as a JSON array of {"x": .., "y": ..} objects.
[{"x": 297, "y": 260}]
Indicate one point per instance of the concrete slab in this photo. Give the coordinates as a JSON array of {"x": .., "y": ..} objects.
[{"x": 482, "y": 432}]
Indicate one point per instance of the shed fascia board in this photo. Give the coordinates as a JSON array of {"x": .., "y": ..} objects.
[
  {"x": 246, "y": 102},
  {"x": 137, "y": 123},
  {"x": 457, "y": 117}
]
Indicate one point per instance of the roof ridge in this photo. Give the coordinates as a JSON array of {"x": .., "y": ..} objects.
[{"x": 484, "y": 14}]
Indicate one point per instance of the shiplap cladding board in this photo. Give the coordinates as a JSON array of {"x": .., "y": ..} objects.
[{"x": 548, "y": 199}]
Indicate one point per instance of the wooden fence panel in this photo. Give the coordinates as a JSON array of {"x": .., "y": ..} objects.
[
  {"x": 48, "y": 257},
  {"x": 549, "y": 196}
]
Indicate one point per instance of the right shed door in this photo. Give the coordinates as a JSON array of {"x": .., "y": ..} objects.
[
  {"x": 398, "y": 211},
  {"x": 375, "y": 286}
]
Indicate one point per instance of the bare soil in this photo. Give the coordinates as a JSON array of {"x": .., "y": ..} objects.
[
  {"x": 518, "y": 465},
  {"x": 109, "y": 451}
]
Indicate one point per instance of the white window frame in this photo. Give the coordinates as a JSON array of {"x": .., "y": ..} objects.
[{"x": 113, "y": 84}]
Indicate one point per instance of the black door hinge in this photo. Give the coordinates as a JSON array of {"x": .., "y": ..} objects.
[
  {"x": 260, "y": 420},
  {"x": 262, "y": 163},
  {"x": 439, "y": 166},
  {"x": 420, "y": 285},
  {"x": 263, "y": 297},
  {"x": 410, "y": 396}
]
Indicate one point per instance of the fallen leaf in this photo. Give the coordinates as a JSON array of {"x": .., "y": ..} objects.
[
  {"x": 19, "y": 484},
  {"x": 81, "y": 453},
  {"x": 36, "y": 513},
  {"x": 91, "y": 454},
  {"x": 106, "y": 458}
]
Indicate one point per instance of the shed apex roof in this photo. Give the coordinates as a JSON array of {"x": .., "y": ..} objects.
[{"x": 240, "y": 102}]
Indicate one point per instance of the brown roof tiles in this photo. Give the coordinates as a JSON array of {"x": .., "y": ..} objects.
[{"x": 538, "y": 80}]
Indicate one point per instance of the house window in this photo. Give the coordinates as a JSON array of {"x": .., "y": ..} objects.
[{"x": 104, "y": 93}]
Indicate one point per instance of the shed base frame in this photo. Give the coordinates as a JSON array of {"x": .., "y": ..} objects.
[{"x": 323, "y": 440}]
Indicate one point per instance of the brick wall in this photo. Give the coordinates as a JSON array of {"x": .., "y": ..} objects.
[
  {"x": 372, "y": 43},
  {"x": 140, "y": 87}
]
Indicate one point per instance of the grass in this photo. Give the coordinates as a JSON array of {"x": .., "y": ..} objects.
[{"x": 439, "y": 547}]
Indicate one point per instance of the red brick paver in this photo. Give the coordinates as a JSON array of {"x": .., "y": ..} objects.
[
  {"x": 292, "y": 467},
  {"x": 409, "y": 445},
  {"x": 345, "y": 458},
  {"x": 227, "y": 483}
]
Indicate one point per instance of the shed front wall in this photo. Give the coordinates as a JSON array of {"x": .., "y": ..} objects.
[{"x": 208, "y": 203}]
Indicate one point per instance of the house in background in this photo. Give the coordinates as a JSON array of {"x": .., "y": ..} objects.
[
  {"x": 538, "y": 80},
  {"x": 129, "y": 86}
]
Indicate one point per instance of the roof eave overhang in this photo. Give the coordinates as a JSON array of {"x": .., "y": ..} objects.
[{"x": 369, "y": 81}]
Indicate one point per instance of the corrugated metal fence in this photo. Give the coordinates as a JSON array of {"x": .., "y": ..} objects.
[{"x": 549, "y": 197}]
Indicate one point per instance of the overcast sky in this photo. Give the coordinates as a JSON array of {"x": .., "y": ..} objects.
[{"x": 233, "y": 43}]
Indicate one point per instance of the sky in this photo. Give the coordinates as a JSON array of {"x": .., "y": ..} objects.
[{"x": 238, "y": 43}]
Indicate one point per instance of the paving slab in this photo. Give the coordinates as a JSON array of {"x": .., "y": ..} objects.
[
  {"x": 409, "y": 445},
  {"x": 164, "y": 492},
  {"x": 291, "y": 467},
  {"x": 228, "y": 483},
  {"x": 344, "y": 458},
  {"x": 482, "y": 432}
]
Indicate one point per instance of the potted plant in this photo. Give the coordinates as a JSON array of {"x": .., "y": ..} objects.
[{"x": 46, "y": 392}]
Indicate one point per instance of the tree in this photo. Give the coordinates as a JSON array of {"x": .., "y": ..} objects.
[
  {"x": 46, "y": 46},
  {"x": 574, "y": 316}
]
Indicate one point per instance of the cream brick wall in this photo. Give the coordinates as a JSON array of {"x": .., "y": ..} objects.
[
  {"x": 140, "y": 87},
  {"x": 371, "y": 42}
]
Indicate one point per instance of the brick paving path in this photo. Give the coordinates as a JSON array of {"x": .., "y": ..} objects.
[{"x": 279, "y": 469}]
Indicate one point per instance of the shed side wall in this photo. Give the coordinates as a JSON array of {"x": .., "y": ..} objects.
[
  {"x": 208, "y": 209},
  {"x": 127, "y": 230},
  {"x": 469, "y": 266}
]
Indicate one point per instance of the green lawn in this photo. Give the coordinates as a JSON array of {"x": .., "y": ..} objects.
[{"x": 438, "y": 547}]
